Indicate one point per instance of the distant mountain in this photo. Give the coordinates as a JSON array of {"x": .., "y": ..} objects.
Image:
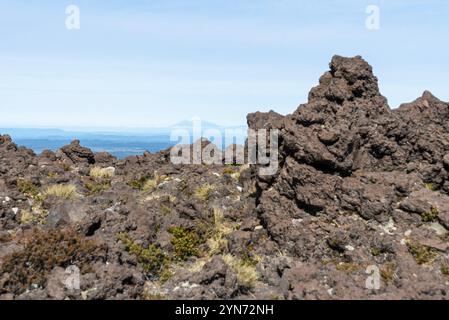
[{"x": 35, "y": 133}]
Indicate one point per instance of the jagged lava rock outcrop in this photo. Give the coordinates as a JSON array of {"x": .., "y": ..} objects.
[
  {"x": 362, "y": 169},
  {"x": 346, "y": 150}
]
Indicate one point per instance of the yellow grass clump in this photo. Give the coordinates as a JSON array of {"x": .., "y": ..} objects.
[
  {"x": 203, "y": 193},
  {"x": 217, "y": 242},
  {"x": 246, "y": 273},
  {"x": 151, "y": 184},
  {"x": 67, "y": 191},
  {"x": 102, "y": 173}
]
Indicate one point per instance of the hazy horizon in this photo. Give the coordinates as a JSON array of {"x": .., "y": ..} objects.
[{"x": 120, "y": 142}]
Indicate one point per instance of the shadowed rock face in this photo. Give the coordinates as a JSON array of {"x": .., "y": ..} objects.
[
  {"x": 345, "y": 150},
  {"x": 347, "y": 154},
  {"x": 359, "y": 185}
]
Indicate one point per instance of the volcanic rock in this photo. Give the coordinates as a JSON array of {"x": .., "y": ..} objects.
[{"x": 359, "y": 187}]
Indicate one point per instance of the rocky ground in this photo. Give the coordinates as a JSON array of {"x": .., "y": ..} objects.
[{"x": 360, "y": 187}]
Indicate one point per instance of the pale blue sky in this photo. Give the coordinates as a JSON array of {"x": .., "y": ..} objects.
[{"x": 154, "y": 63}]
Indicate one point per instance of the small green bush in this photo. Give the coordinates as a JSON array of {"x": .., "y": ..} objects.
[
  {"x": 420, "y": 253},
  {"x": 138, "y": 183},
  {"x": 185, "y": 243},
  {"x": 28, "y": 188},
  {"x": 431, "y": 186},
  {"x": 444, "y": 268},
  {"x": 430, "y": 215},
  {"x": 228, "y": 170},
  {"x": 96, "y": 187},
  {"x": 152, "y": 259}
]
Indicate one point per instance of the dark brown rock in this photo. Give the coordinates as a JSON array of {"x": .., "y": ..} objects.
[
  {"x": 358, "y": 186},
  {"x": 77, "y": 153}
]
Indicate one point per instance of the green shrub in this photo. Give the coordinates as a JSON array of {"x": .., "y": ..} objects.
[
  {"x": 431, "y": 186},
  {"x": 28, "y": 188},
  {"x": 228, "y": 170},
  {"x": 152, "y": 259},
  {"x": 420, "y": 253},
  {"x": 430, "y": 215},
  {"x": 96, "y": 187},
  {"x": 138, "y": 183},
  {"x": 444, "y": 268},
  {"x": 185, "y": 243}
]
